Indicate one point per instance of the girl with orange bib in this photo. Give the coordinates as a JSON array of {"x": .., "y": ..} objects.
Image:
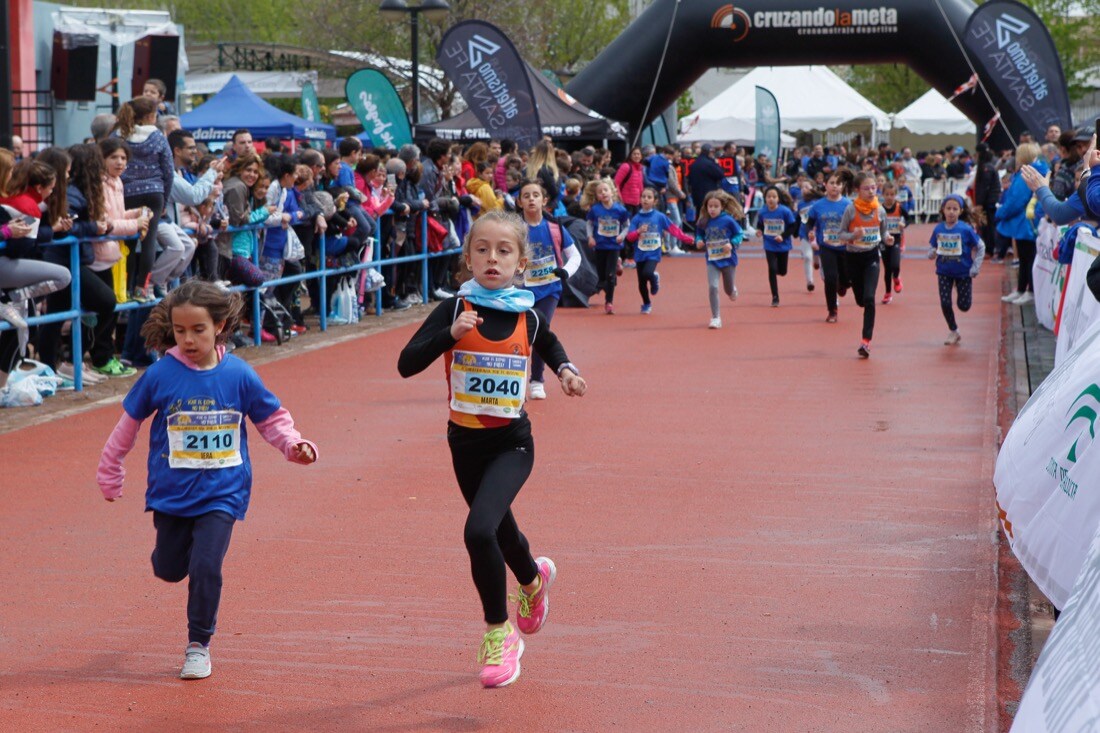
[
  {"x": 863, "y": 231},
  {"x": 485, "y": 335}
]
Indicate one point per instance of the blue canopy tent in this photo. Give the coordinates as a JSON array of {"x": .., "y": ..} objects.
[{"x": 236, "y": 107}]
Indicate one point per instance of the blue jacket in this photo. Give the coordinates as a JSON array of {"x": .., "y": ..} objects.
[
  {"x": 1011, "y": 216},
  {"x": 150, "y": 169}
]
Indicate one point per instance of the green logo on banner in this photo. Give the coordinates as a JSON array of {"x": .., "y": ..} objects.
[
  {"x": 311, "y": 110},
  {"x": 378, "y": 108}
]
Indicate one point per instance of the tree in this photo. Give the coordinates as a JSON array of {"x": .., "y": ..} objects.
[{"x": 890, "y": 87}]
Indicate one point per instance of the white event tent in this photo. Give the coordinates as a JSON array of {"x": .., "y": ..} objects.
[
  {"x": 810, "y": 98},
  {"x": 932, "y": 114}
]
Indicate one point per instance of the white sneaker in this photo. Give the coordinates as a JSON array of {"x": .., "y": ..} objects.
[
  {"x": 952, "y": 339},
  {"x": 734, "y": 295},
  {"x": 715, "y": 323},
  {"x": 1027, "y": 297},
  {"x": 414, "y": 298},
  {"x": 538, "y": 391},
  {"x": 1010, "y": 298},
  {"x": 441, "y": 294},
  {"x": 91, "y": 376},
  {"x": 196, "y": 662}
]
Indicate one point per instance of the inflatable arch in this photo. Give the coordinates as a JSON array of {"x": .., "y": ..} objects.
[{"x": 713, "y": 33}]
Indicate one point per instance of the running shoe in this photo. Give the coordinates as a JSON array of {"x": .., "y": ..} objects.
[
  {"x": 888, "y": 298},
  {"x": 298, "y": 329},
  {"x": 656, "y": 282},
  {"x": 831, "y": 317},
  {"x": 115, "y": 368},
  {"x": 1027, "y": 297},
  {"x": 499, "y": 656},
  {"x": 864, "y": 349},
  {"x": 141, "y": 295},
  {"x": 952, "y": 338},
  {"x": 897, "y": 284},
  {"x": 647, "y": 308},
  {"x": 1011, "y": 297},
  {"x": 734, "y": 295},
  {"x": 842, "y": 290},
  {"x": 629, "y": 264},
  {"x": 715, "y": 323},
  {"x": 809, "y": 287},
  {"x": 196, "y": 662},
  {"x": 775, "y": 302},
  {"x": 531, "y": 611},
  {"x": 266, "y": 337},
  {"x": 538, "y": 391},
  {"x": 609, "y": 308},
  {"x": 618, "y": 268}
]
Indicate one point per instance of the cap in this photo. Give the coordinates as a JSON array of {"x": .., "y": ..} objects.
[
  {"x": 706, "y": 149},
  {"x": 1084, "y": 135}
]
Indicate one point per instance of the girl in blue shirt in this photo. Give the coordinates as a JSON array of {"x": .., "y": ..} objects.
[
  {"x": 721, "y": 235},
  {"x": 647, "y": 233},
  {"x": 199, "y": 472},
  {"x": 958, "y": 251},
  {"x": 607, "y": 221},
  {"x": 823, "y": 227},
  {"x": 775, "y": 224},
  {"x": 553, "y": 258}
]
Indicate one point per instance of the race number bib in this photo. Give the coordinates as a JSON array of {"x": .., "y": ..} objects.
[
  {"x": 488, "y": 384},
  {"x": 903, "y": 196},
  {"x": 832, "y": 235},
  {"x": 871, "y": 236},
  {"x": 893, "y": 224},
  {"x": 773, "y": 228},
  {"x": 649, "y": 242},
  {"x": 204, "y": 439},
  {"x": 540, "y": 271},
  {"x": 608, "y": 227},
  {"x": 949, "y": 245},
  {"x": 716, "y": 250}
]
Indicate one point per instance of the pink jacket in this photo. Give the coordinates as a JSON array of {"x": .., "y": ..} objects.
[
  {"x": 125, "y": 223},
  {"x": 634, "y": 178},
  {"x": 278, "y": 430}
]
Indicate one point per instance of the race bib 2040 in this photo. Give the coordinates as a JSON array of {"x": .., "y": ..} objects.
[
  {"x": 204, "y": 439},
  {"x": 488, "y": 384}
]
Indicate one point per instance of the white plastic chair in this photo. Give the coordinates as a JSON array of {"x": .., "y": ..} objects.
[{"x": 934, "y": 191}]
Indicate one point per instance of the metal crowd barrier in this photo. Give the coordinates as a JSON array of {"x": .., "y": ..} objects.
[{"x": 74, "y": 313}]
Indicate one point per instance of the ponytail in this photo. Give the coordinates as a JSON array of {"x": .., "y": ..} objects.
[
  {"x": 130, "y": 113},
  {"x": 846, "y": 179}
]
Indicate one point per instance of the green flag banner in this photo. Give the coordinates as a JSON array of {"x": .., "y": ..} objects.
[
  {"x": 311, "y": 110},
  {"x": 378, "y": 108},
  {"x": 767, "y": 127}
]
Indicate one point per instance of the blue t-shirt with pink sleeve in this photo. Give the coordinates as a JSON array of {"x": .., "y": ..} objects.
[{"x": 198, "y": 446}]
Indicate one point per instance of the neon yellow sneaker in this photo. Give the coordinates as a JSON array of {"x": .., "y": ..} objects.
[{"x": 499, "y": 656}]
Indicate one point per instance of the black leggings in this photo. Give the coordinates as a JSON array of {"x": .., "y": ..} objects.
[
  {"x": 607, "y": 265},
  {"x": 964, "y": 286},
  {"x": 647, "y": 278},
  {"x": 194, "y": 548},
  {"x": 777, "y": 265},
  {"x": 834, "y": 271},
  {"x": 141, "y": 264},
  {"x": 491, "y": 466},
  {"x": 863, "y": 272},
  {"x": 891, "y": 265},
  {"x": 1025, "y": 248},
  {"x": 97, "y": 294}
]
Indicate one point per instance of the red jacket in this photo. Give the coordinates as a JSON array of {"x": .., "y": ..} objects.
[{"x": 630, "y": 180}]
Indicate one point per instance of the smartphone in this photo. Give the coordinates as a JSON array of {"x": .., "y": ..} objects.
[
  {"x": 391, "y": 179},
  {"x": 1098, "y": 128}
]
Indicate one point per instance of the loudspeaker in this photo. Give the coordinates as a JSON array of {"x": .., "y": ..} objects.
[
  {"x": 72, "y": 70},
  {"x": 156, "y": 57}
]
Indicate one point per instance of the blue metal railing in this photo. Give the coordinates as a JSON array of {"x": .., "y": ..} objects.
[{"x": 74, "y": 313}]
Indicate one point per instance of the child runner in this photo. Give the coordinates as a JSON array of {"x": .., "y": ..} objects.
[
  {"x": 721, "y": 236},
  {"x": 958, "y": 251},
  {"x": 647, "y": 233},
  {"x": 553, "y": 258},
  {"x": 897, "y": 218},
  {"x": 863, "y": 229},
  {"x": 200, "y": 476},
  {"x": 808, "y": 193},
  {"x": 775, "y": 223},
  {"x": 607, "y": 221},
  {"x": 823, "y": 228},
  {"x": 485, "y": 336}
]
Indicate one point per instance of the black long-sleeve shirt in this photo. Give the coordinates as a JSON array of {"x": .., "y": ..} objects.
[{"x": 433, "y": 338}]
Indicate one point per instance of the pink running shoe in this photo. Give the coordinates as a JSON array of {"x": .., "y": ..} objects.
[
  {"x": 531, "y": 611},
  {"x": 499, "y": 656}
]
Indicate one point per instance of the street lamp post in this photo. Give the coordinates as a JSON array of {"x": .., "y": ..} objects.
[{"x": 432, "y": 10}]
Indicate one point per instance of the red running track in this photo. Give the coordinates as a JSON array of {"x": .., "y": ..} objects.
[{"x": 755, "y": 531}]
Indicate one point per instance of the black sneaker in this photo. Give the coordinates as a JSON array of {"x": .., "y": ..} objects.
[
  {"x": 775, "y": 302},
  {"x": 400, "y": 304},
  {"x": 810, "y": 287}
]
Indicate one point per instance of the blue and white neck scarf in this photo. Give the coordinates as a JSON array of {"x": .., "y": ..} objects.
[{"x": 511, "y": 299}]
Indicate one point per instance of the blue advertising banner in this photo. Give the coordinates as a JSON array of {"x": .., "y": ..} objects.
[
  {"x": 311, "y": 110},
  {"x": 378, "y": 108},
  {"x": 767, "y": 127},
  {"x": 1019, "y": 65},
  {"x": 488, "y": 72}
]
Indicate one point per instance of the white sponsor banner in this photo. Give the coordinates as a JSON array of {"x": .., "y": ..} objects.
[
  {"x": 1048, "y": 478},
  {"x": 1079, "y": 309},
  {"x": 1063, "y": 694},
  {"x": 1046, "y": 275}
]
